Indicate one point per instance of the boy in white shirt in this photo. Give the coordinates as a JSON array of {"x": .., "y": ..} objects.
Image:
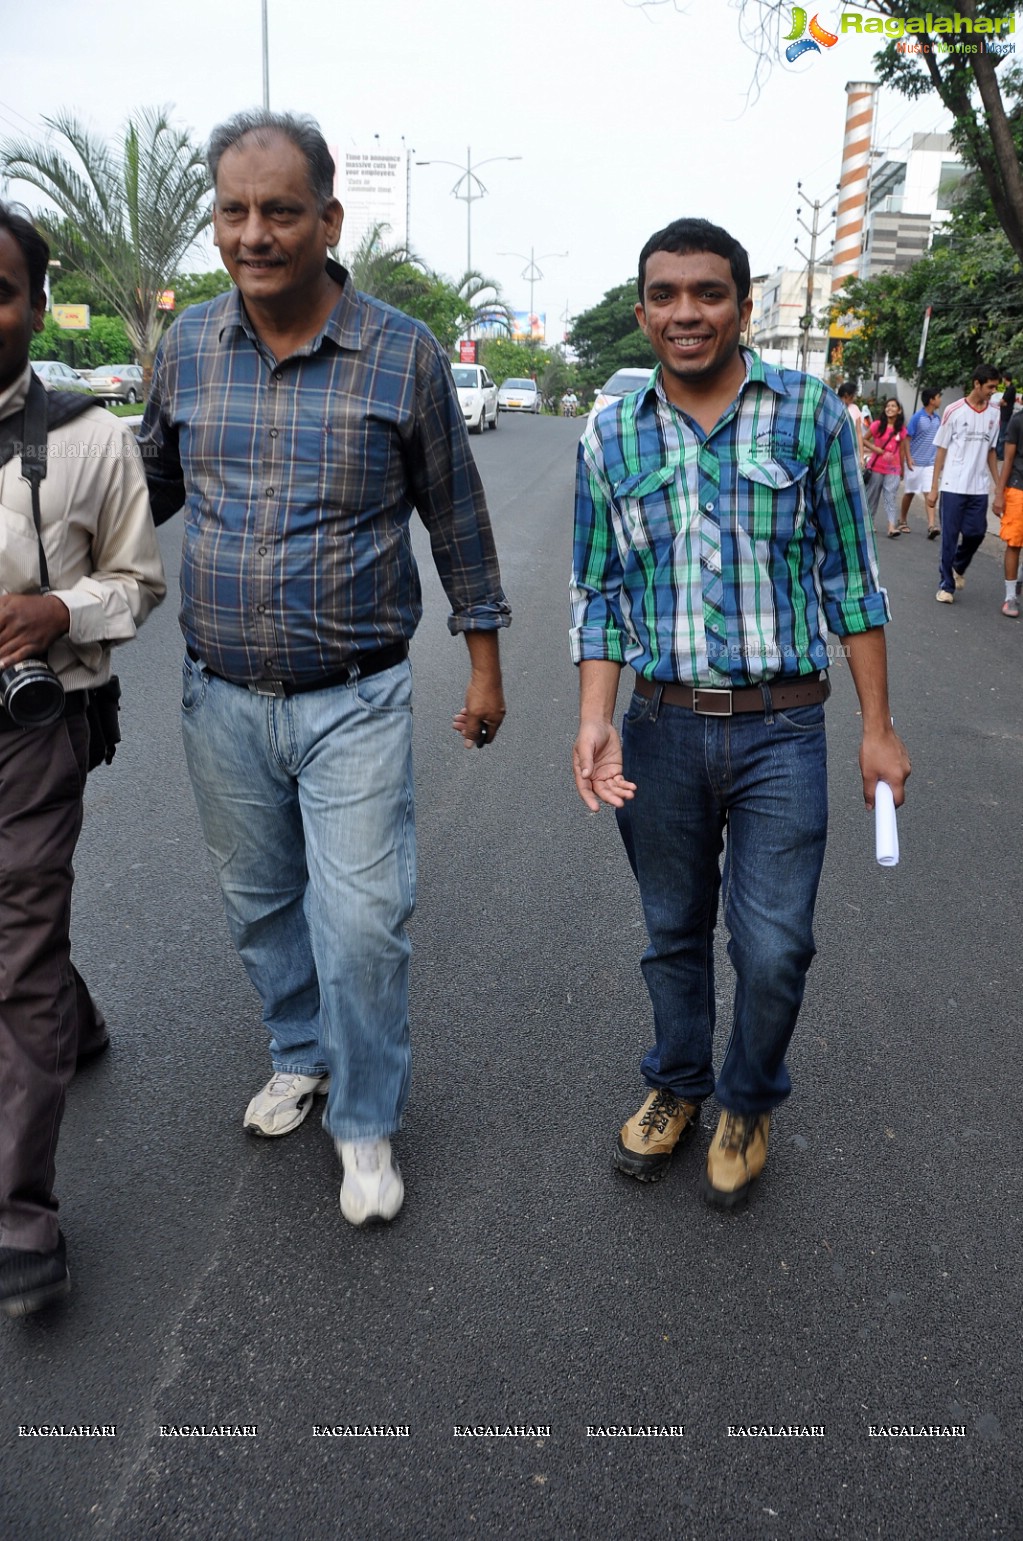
[{"x": 965, "y": 470}]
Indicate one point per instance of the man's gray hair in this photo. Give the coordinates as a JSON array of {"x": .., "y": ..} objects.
[{"x": 265, "y": 126}]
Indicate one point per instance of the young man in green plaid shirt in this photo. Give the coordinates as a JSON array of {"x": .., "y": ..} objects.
[{"x": 720, "y": 534}]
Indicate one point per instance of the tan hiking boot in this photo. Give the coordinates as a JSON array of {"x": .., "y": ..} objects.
[
  {"x": 737, "y": 1156},
  {"x": 646, "y": 1142}
]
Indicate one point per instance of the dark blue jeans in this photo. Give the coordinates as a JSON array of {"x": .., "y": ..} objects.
[
  {"x": 963, "y": 527},
  {"x": 760, "y": 778}
]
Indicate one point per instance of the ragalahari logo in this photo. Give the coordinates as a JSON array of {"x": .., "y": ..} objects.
[{"x": 799, "y": 43}]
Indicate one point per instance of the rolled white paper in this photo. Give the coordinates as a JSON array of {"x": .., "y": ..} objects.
[{"x": 886, "y": 831}]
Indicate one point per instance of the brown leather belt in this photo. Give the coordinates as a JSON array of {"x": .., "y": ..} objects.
[{"x": 711, "y": 702}]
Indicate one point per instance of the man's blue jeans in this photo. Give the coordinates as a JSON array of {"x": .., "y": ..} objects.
[
  {"x": 307, "y": 809},
  {"x": 963, "y": 527},
  {"x": 762, "y": 776}
]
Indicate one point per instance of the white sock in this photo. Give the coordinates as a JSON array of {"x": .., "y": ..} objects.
[{"x": 1010, "y": 588}]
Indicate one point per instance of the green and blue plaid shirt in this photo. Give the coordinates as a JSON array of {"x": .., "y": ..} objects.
[{"x": 722, "y": 558}]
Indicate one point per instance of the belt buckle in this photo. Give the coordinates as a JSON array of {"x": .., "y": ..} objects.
[
  {"x": 273, "y": 688},
  {"x": 717, "y": 694}
]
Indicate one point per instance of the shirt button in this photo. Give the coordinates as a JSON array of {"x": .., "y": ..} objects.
[
  {"x": 261, "y": 609},
  {"x": 268, "y": 663},
  {"x": 269, "y": 492},
  {"x": 278, "y": 375},
  {"x": 273, "y": 433},
  {"x": 708, "y": 508},
  {"x": 262, "y": 551}
]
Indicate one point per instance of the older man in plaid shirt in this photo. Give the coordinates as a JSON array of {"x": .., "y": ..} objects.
[{"x": 719, "y": 535}]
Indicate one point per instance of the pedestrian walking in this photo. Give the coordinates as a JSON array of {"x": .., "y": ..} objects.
[
  {"x": 965, "y": 469},
  {"x": 887, "y": 434},
  {"x": 920, "y": 431},
  {"x": 300, "y": 423},
  {"x": 720, "y": 533},
  {"x": 79, "y": 571},
  {"x": 1006, "y": 406}
]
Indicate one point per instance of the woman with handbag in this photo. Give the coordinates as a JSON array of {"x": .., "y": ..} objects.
[{"x": 886, "y": 463}]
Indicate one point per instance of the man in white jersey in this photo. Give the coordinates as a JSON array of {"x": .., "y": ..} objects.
[{"x": 965, "y": 470}]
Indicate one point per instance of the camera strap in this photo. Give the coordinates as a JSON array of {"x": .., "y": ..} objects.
[
  {"x": 26, "y": 432},
  {"x": 33, "y": 463}
]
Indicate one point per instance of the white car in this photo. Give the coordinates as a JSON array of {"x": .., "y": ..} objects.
[
  {"x": 477, "y": 396},
  {"x": 620, "y": 384},
  {"x": 59, "y": 377},
  {"x": 519, "y": 396}
]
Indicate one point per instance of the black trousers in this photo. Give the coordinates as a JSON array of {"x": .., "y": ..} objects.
[{"x": 46, "y": 1012}]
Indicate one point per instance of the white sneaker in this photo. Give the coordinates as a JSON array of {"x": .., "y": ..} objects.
[
  {"x": 959, "y": 579},
  {"x": 944, "y": 597},
  {"x": 372, "y": 1187},
  {"x": 285, "y": 1101}
]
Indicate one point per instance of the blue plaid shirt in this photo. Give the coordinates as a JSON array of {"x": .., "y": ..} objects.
[
  {"x": 299, "y": 478},
  {"x": 722, "y": 558}
]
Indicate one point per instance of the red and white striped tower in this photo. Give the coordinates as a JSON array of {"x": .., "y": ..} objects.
[{"x": 852, "y": 189}]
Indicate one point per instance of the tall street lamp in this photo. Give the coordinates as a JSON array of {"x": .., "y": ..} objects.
[
  {"x": 531, "y": 272},
  {"x": 473, "y": 189}
]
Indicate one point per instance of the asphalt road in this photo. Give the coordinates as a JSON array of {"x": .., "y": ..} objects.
[{"x": 874, "y": 1280}]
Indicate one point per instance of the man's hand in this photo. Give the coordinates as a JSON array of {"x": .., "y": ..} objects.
[
  {"x": 883, "y": 757},
  {"x": 482, "y": 714},
  {"x": 597, "y": 763},
  {"x": 998, "y": 503},
  {"x": 29, "y": 624},
  {"x": 484, "y": 709}
]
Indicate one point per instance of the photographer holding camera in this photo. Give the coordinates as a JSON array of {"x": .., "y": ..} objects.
[{"x": 80, "y": 569}]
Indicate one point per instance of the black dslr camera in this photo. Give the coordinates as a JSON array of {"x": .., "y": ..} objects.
[{"x": 31, "y": 694}]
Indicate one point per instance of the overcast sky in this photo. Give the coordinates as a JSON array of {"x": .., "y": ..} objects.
[{"x": 625, "y": 116}]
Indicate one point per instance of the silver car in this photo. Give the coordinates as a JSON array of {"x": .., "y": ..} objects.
[
  {"x": 59, "y": 377},
  {"x": 116, "y": 382}
]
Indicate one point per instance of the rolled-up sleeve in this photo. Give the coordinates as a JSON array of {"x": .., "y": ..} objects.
[{"x": 446, "y": 489}]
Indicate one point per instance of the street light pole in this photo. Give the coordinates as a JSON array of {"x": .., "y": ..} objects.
[
  {"x": 532, "y": 273},
  {"x": 474, "y": 189},
  {"x": 266, "y": 60}
]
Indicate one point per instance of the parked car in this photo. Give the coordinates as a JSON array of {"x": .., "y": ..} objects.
[
  {"x": 620, "y": 384},
  {"x": 519, "y": 396},
  {"x": 116, "y": 382},
  {"x": 59, "y": 377},
  {"x": 477, "y": 396}
]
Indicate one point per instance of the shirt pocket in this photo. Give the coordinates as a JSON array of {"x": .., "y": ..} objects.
[
  {"x": 772, "y": 497},
  {"x": 650, "y": 513}
]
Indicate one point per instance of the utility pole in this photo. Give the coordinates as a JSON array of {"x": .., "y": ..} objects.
[{"x": 813, "y": 231}]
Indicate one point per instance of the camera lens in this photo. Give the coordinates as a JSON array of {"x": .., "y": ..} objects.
[{"x": 31, "y": 694}]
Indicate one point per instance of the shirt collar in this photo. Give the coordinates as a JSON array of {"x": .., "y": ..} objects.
[
  {"x": 757, "y": 373},
  {"x": 343, "y": 326},
  {"x": 14, "y": 397}
]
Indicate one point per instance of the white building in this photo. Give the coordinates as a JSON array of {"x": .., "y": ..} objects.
[
  {"x": 779, "y": 308},
  {"x": 908, "y": 201}
]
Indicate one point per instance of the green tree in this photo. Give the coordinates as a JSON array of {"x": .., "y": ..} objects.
[
  {"x": 397, "y": 276},
  {"x": 607, "y": 337},
  {"x": 986, "y": 139},
  {"x": 127, "y": 214},
  {"x": 105, "y": 342},
  {"x": 196, "y": 288},
  {"x": 973, "y": 286}
]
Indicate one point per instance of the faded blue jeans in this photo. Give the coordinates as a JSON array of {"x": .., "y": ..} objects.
[
  {"x": 306, "y": 805},
  {"x": 760, "y": 777}
]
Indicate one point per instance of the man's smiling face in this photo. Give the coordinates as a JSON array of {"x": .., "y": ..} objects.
[
  {"x": 692, "y": 316},
  {"x": 272, "y": 234}
]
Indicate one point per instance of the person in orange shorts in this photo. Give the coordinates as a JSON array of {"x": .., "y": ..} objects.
[{"x": 1008, "y": 502}]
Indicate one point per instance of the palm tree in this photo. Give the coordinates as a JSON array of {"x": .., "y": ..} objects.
[{"x": 127, "y": 215}]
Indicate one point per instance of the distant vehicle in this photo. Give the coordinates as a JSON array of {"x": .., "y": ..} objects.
[
  {"x": 116, "y": 382},
  {"x": 59, "y": 377},
  {"x": 620, "y": 384},
  {"x": 519, "y": 396},
  {"x": 477, "y": 396}
]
